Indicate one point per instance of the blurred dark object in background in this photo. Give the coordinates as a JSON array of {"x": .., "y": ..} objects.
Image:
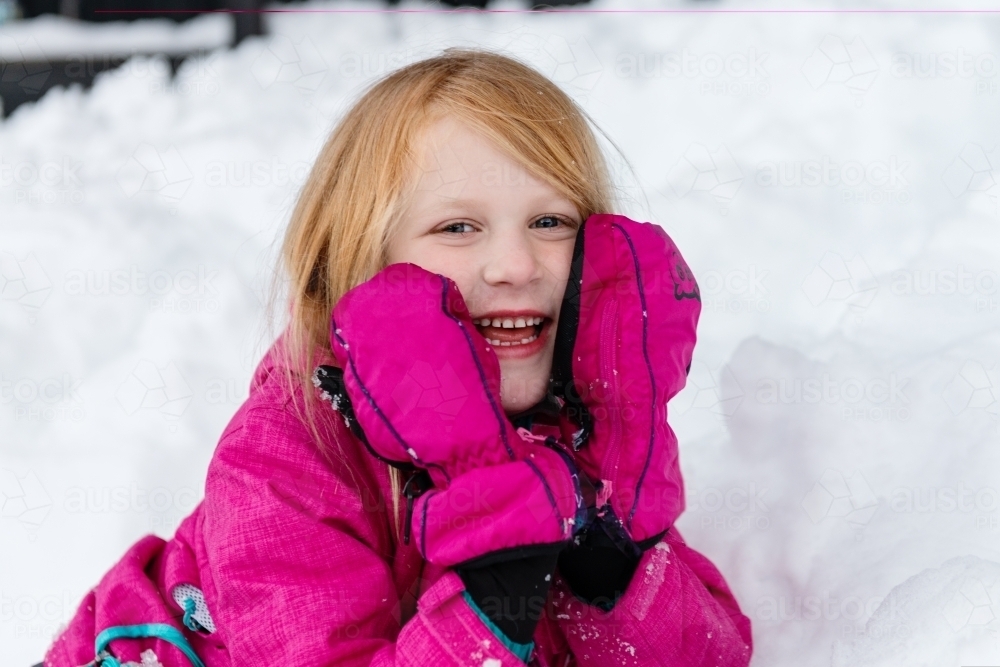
[
  {"x": 179, "y": 10},
  {"x": 482, "y": 4},
  {"x": 25, "y": 78},
  {"x": 246, "y": 14},
  {"x": 28, "y": 80}
]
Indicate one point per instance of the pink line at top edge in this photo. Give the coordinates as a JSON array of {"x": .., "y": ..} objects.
[{"x": 556, "y": 8}]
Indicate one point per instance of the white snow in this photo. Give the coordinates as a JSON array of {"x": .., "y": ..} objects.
[
  {"x": 53, "y": 37},
  {"x": 955, "y": 603},
  {"x": 833, "y": 188}
]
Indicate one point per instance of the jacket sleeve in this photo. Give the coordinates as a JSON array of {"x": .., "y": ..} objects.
[
  {"x": 677, "y": 611},
  {"x": 295, "y": 569}
]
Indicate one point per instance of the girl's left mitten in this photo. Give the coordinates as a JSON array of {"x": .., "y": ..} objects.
[
  {"x": 623, "y": 348},
  {"x": 425, "y": 389}
]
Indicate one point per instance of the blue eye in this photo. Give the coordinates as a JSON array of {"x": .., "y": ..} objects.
[
  {"x": 453, "y": 225},
  {"x": 556, "y": 219}
]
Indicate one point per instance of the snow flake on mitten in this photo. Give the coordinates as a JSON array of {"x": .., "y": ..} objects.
[{"x": 149, "y": 659}]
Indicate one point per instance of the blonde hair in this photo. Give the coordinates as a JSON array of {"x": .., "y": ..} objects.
[{"x": 340, "y": 227}]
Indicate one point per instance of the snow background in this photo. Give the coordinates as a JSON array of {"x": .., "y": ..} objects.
[{"x": 839, "y": 432}]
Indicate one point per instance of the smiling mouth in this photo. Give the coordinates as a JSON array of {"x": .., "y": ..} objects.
[{"x": 511, "y": 331}]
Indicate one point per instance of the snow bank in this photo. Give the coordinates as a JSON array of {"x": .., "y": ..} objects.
[{"x": 945, "y": 616}]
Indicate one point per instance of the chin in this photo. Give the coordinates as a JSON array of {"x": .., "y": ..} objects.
[
  {"x": 512, "y": 410},
  {"x": 524, "y": 381}
]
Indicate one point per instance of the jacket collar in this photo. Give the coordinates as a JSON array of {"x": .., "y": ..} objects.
[{"x": 548, "y": 407}]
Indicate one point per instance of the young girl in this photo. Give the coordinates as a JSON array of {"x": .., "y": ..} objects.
[{"x": 457, "y": 451}]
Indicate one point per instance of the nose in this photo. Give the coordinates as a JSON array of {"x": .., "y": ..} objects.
[{"x": 511, "y": 260}]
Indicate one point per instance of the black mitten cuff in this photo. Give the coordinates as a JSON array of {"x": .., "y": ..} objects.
[
  {"x": 510, "y": 587},
  {"x": 599, "y": 564}
]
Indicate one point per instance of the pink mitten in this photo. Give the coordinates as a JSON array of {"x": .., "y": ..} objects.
[
  {"x": 424, "y": 386},
  {"x": 623, "y": 349}
]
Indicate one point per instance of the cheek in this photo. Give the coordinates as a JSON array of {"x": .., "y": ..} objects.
[
  {"x": 559, "y": 258},
  {"x": 448, "y": 262},
  {"x": 557, "y": 265}
]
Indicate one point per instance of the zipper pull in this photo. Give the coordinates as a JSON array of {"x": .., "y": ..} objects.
[
  {"x": 416, "y": 485},
  {"x": 604, "y": 493},
  {"x": 528, "y": 435}
]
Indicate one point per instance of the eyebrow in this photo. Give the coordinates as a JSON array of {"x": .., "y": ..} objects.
[{"x": 452, "y": 204}]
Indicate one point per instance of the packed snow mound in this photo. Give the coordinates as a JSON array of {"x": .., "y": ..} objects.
[{"x": 946, "y": 616}]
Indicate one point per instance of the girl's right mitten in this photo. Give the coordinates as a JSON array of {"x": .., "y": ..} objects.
[{"x": 424, "y": 389}]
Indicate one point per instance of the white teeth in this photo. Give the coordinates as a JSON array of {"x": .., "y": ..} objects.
[
  {"x": 523, "y": 341},
  {"x": 510, "y": 323}
]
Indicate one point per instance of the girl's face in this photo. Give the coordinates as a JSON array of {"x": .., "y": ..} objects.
[{"x": 504, "y": 237}]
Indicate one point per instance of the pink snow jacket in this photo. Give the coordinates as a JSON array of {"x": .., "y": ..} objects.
[{"x": 294, "y": 559}]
